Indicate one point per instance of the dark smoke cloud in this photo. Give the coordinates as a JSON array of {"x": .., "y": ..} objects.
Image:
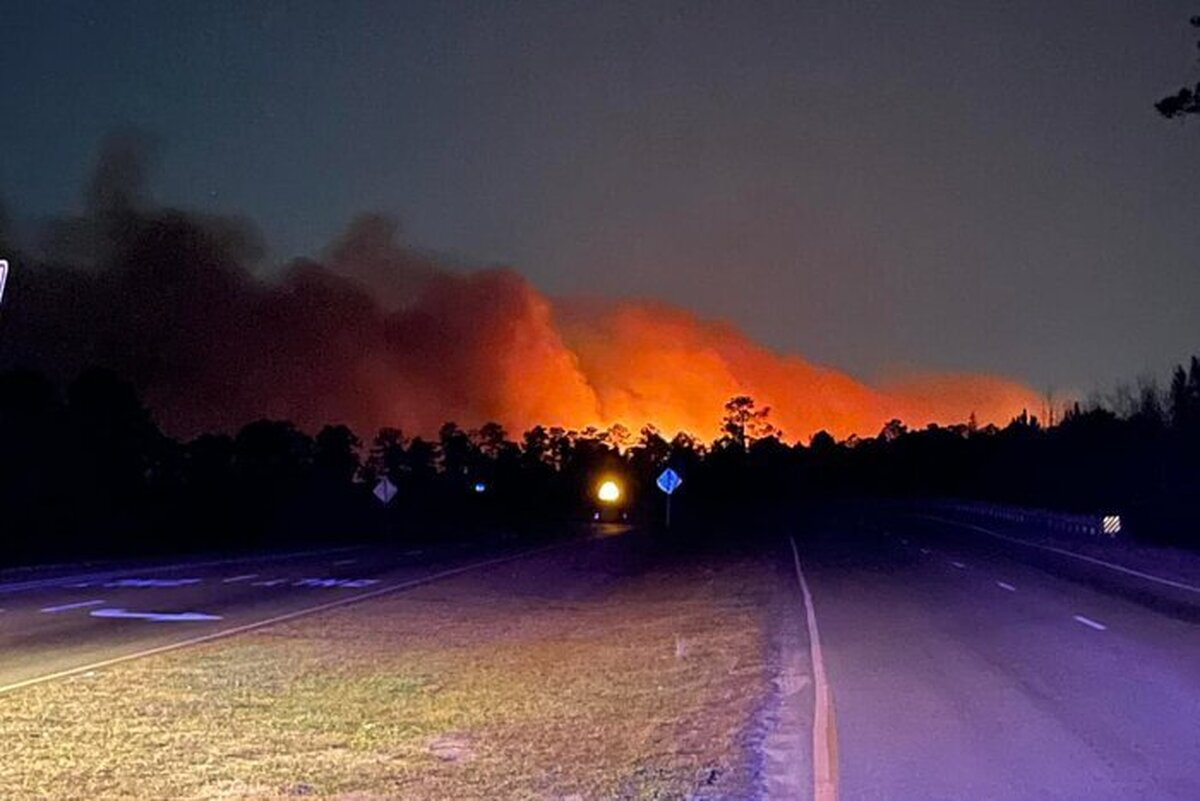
[
  {"x": 380, "y": 333},
  {"x": 170, "y": 300}
]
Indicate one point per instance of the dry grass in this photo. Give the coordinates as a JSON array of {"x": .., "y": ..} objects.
[{"x": 477, "y": 687}]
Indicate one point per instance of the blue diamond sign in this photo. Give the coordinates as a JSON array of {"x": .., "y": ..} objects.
[
  {"x": 385, "y": 491},
  {"x": 669, "y": 481}
]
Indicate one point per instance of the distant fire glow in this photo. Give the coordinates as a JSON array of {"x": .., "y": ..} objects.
[
  {"x": 381, "y": 335},
  {"x": 489, "y": 346}
]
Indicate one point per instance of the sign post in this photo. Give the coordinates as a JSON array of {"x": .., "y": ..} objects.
[
  {"x": 385, "y": 490},
  {"x": 669, "y": 481}
]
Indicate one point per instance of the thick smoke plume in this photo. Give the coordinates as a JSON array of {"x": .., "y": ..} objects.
[{"x": 378, "y": 333}]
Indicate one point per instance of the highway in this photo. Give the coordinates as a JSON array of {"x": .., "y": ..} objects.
[
  {"x": 963, "y": 665},
  {"x": 957, "y": 662},
  {"x": 62, "y": 621}
]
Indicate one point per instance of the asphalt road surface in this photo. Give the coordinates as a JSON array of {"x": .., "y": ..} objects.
[
  {"x": 959, "y": 664},
  {"x": 967, "y": 666},
  {"x": 64, "y": 619}
]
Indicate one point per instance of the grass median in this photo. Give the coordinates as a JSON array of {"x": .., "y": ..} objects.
[{"x": 545, "y": 682}]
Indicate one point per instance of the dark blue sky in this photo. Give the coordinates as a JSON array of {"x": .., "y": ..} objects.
[{"x": 878, "y": 185}]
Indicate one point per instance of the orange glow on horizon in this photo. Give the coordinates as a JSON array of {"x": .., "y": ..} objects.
[{"x": 488, "y": 346}]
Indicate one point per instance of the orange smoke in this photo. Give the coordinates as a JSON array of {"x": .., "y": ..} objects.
[
  {"x": 651, "y": 362},
  {"x": 382, "y": 335},
  {"x": 488, "y": 346}
]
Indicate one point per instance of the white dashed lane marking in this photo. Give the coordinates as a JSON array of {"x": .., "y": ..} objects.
[
  {"x": 959, "y": 565},
  {"x": 151, "y": 583},
  {"x": 1004, "y": 585},
  {"x": 158, "y": 617},
  {"x": 246, "y": 577},
  {"x": 1119, "y": 568},
  {"x": 65, "y": 607},
  {"x": 229, "y": 632},
  {"x": 335, "y": 582},
  {"x": 1087, "y": 621}
]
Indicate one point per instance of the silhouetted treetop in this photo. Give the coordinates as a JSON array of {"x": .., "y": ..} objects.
[{"x": 1186, "y": 101}]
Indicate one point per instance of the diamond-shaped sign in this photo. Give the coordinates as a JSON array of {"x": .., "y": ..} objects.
[
  {"x": 385, "y": 490},
  {"x": 669, "y": 481}
]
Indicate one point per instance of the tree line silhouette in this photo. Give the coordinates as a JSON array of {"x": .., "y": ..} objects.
[{"x": 85, "y": 471}]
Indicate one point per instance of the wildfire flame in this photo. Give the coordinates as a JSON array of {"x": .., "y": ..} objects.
[
  {"x": 382, "y": 335},
  {"x": 527, "y": 361}
]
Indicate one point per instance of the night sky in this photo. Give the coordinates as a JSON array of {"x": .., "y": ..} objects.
[{"x": 877, "y": 186}]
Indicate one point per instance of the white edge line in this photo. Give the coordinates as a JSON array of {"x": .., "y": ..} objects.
[
  {"x": 404, "y": 585},
  {"x": 1119, "y": 568},
  {"x": 66, "y": 607},
  {"x": 824, "y": 769},
  {"x": 1087, "y": 621}
]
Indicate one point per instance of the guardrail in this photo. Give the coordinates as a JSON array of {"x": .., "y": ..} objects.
[{"x": 1108, "y": 526}]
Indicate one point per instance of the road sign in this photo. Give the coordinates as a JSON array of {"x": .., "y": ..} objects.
[
  {"x": 3, "y": 277},
  {"x": 669, "y": 481},
  {"x": 385, "y": 490}
]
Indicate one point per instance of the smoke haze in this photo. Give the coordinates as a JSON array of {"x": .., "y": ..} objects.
[{"x": 379, "y": 333}]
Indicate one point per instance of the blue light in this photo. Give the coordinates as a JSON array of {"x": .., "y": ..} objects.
[{"x": 480, "y": 486}]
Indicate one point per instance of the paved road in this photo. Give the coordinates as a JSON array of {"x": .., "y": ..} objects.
[
  {"x": 964, "y": 666},
  {"x": 62, "y": 619},
  {"x": 961, "y": 666}
]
